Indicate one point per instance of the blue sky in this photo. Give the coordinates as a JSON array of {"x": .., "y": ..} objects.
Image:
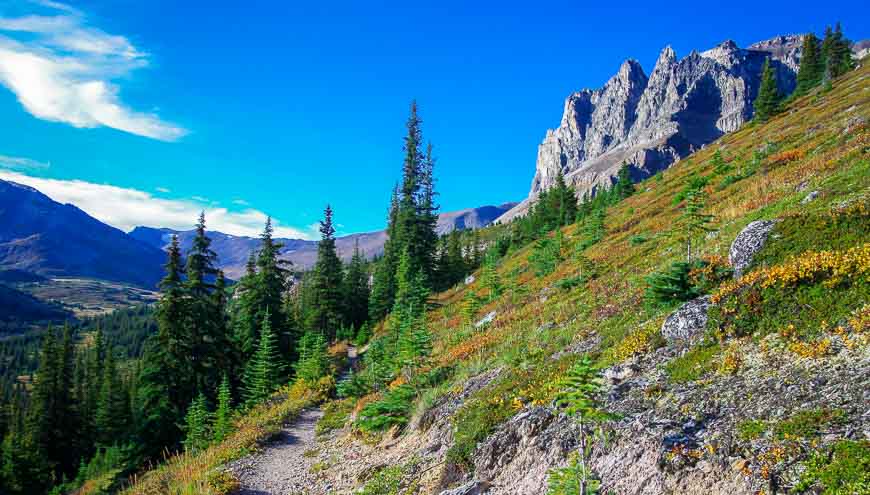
[{"x": 145, "y": 112}]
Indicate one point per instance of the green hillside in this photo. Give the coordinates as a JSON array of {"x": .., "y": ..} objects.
[{"x": 768, "y": 397}]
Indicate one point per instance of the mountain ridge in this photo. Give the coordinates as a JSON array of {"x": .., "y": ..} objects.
[
  {"x": 652, "y": 121},
  {"x": 233, "y": 250}
]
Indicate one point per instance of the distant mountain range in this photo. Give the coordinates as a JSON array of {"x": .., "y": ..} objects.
[
  {"x": 40, "y": 236},
  {"x": 233, "y": 251}
]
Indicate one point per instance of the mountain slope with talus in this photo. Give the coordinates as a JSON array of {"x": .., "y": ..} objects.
[{"x": 757, "y": 386}]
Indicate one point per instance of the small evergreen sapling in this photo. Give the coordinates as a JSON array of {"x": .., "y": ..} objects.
[
  {"x": 578, "y": 398},
  {"x": 223, "y": 414},
  {"x": 197, "y": 425}
]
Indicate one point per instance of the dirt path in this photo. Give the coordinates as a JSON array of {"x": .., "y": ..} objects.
[{"x": 281, "y": 467}]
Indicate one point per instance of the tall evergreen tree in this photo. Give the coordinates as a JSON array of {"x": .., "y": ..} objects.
[
  {"x": 44, "y": 425},
  {"x": 112, "y": 408},
  {"x": 272, "y": 282},
  {"x": 326, "y": 313},
  {"x": 767, "y": 102},
  {"x": 384, "y": 280},
  {"x": 265, "y": 371},
  {"x": 356, "y": 290},
  {"x": 165, "y": 383},
  {"x": 427, "y": 217},
  {"x": 812, "y": 67},
  {"x": 624, "y": 186},
  {"x": 202, "y": 335}
]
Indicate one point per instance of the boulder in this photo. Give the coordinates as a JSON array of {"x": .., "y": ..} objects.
[
  {"x": 749, "y": 241},
  {"x": 486, "y": 320},
  {"x": 809, "y": 197},
  {"x": 474, "y": 487},
  {"x": 688, "y": 321}
]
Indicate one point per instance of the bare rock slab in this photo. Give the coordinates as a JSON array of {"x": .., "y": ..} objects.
[
  {"x": 748, "y": 242},
  {"x": 688, "y": 321}
]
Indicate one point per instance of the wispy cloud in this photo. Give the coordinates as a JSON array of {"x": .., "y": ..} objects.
[
  {"x": 240, "y": 202},
  {"x": 126, "y": 208},
  {"x": 20, "y": 163},
  {"x": 162, "y": 189},
  {"x": 61, "y": 69}
]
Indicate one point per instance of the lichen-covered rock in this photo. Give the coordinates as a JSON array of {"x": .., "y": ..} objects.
[
  {"x": 486, "y": 320},
  {"x": 688, "y": 321},
  {"x": 749, "y": 241},
  {"x": 517, "y": 457},
  {"x": 474, "y": 487}
]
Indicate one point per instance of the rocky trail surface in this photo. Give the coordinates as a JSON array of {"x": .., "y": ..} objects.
[
  {"x": 282, "y": 466},
  {"x": 286, "y": 464}
]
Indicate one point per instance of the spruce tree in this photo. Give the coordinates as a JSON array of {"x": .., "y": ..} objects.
[
  {"x": 43, "y": 421},
  {"x": 112, "y": 408},
  {"x": 265, "y": 371},
  {"x": 693, "y": 221},
  {"x": 202, "y": 334},
  {"x": 197, "y": 425},
  {"x": 223, "y": 415},
  {"x": 164, "y": 381},
  {"x": 384, "y": 280},
  {"x": 624, "y": 186},
  {"x": 355, "y": 289},
  {"x": 427, "y": 212},
  {"x": 840, "y": 55},
  {"x": 564, "y": 203},
  {"x": 767, "y": 102},
  {"x": 812, "y": 67},
  {"x": 490, "y": 277},
  {"x": 313, "y": 360},
  {"x": 272, "y": 281},
  {"x": 326, "y": 313}
]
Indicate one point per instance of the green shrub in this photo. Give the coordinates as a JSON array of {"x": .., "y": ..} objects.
[
  {"x": 809, "y": 423},
  {"x": 392, "y": 410},
  {"x": 335, "y": 415},
  {"x": 842, "y": 470},
  {"x": 546, "y": 255},
  {"x": 386, "y": 481},
  {"x": 637, "y": 240},
  {"x": 670, "y": 286},
  {"x": 693, "y": 364},
  {"x": 751, "y": 429}
]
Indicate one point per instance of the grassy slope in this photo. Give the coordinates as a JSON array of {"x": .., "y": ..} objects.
[{"x": 806, "y": 148}]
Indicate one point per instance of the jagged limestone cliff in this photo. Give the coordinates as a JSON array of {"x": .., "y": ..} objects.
[{"x": 652, "y": 121}]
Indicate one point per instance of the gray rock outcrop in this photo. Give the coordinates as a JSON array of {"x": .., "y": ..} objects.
[
  {"x": 652, "y": 121},
  {"x": 471, "y": 488},
  {"x": 749, "y": 241},
  {"x": 688, "y": 321}
]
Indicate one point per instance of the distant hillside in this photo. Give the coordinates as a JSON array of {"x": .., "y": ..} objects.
[
  {"x": 20, "y": 311},
  {"x": 233, "y": 250},
  {"x": 44, "y": 237}
]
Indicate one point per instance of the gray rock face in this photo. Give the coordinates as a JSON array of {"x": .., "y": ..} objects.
[
  {"x": 471, "y": 488},
  {"x": 516, "y": 458},
  {"x": 652, "y": 121},
  {"x": 749, "y": 241},
  {"x": 688, "y": 321}
]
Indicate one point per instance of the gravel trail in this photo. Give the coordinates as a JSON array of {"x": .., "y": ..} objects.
[{"x": 281, "y": 467}]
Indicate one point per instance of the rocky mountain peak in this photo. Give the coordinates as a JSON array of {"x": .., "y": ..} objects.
[{"x": 651, "y": 122}]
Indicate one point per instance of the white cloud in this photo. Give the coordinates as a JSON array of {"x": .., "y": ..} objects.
[
  {"x": 20, "y": 163},
  {"x": 61, "y": 69},
  {"x": 162, "y": 189},
  {"x": 240, "y": 202},
  {"x": 126, "y": 208}
]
